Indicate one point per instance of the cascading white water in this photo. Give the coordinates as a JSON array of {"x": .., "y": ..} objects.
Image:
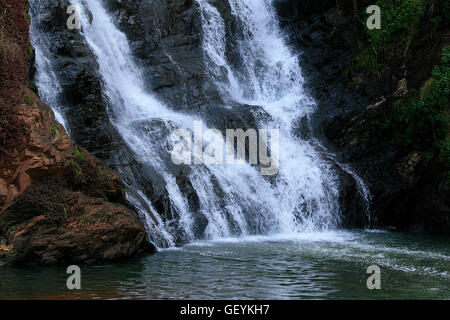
[
  {"x": 270, "y": 77},
  {"x": 133, "y": 108},
  {"x": 45, "y": 78},
  {"x": 303, "y": 195}
]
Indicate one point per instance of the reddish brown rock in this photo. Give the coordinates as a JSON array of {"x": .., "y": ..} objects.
[
  {"x": 58, "y": 203},
  {"x": 88, "y": 230}
]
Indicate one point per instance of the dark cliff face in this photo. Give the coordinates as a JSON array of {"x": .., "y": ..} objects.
[
  {"x": 409, "y": 185},
  {"x": 58, "y": 203}
]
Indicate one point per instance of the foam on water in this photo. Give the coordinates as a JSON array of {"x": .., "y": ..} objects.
[{"x": 354, "y": 247}]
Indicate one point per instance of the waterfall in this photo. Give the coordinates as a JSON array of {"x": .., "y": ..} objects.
[
  {"x": 233, "y": 200},
  {"x": 269, "y": 76},
  {"x": 133, "y": 111},
  {"x": 45, "y": 78}
]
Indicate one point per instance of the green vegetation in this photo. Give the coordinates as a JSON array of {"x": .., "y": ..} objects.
[
  {"x": 75, "y": 167},
  {"x": 14, "y": 253},
  {"x": 84, "y": 172},
  {"x": 424, "y": 122},
  {"x": 6, "y": 8},
  {"x": 401, "y": 21},
  {"x": 54, "y": 130},
  {"x": 29, "y": 100},
  {"x": 87, "y": 107},
  {"x": 33, "y": 87},
  {"x": 79, "y": 155},
  {"x": 30, "y": 51},
  {"x": 77, "y": 162},
  {"x": 27, "y": 15},
  {"x": 104, "y": 172},
  {"x": 66, "y": 213},
  {"x": 421, "y": 120}
]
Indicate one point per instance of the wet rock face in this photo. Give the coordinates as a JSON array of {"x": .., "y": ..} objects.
[
  {"x": 166, "y": 39},
  {"x": 165, "y": 36}
]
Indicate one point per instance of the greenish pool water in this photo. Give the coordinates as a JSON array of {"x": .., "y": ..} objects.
[{"x": 330, "y": 265}]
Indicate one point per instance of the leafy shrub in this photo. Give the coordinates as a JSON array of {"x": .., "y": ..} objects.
[
  {"x": 400, "y": 21},
  {"x": 421, "y": 121}
]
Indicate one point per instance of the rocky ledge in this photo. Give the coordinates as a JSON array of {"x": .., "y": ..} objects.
[{"x": 58, "y": 203}]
